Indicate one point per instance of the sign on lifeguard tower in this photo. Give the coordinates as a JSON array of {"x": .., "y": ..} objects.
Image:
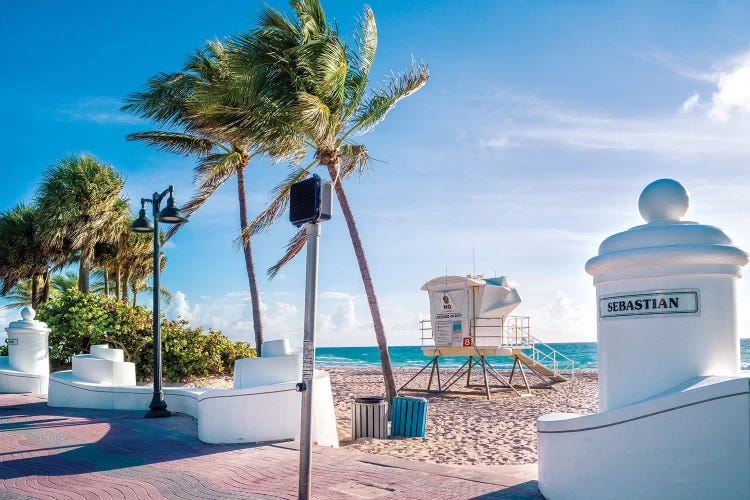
[{"x": 462, "y": 309}]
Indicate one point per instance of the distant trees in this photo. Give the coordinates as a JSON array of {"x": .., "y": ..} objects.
[
  {"x": 80, "y": 198},
  {"x": 80, "y": 216}
]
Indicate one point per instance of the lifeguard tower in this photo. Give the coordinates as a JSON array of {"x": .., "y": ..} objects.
[{"x": 470, "y": 317}]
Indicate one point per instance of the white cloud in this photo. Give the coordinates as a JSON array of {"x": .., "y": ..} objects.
[
  {"x": 690, "y": 103},
  {"x": 103, "y": 110},
  {"x": 732, "y": 95},
  {"x": 679, "y": 134}
]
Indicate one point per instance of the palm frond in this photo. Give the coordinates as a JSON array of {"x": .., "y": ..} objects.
[
  {"x": 277, "y": 204},
  {"x": 312, "y": 19},
  {"x": 216, "y": 168},
  {"x": 175, "y": 142},
  {"x": 383, "y": 100},
  {"x": 314, "y": 114},
  {"x": 295, "y": 245},
  {"x": 366, "y": 38},
  {"x": 354, "y": 159}
]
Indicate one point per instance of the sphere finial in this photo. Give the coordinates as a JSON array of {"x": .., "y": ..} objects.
[
  {"x": 28, "y": 313},
  {"x": 663, "y": 200}
]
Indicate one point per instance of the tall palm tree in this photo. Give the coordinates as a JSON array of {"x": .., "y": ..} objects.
[
  {"x": 80, "y": 198},
  {"x": 319, "y": 85},
  {"x": 180, "y": 100},
  {"x": 23, "y": 255}
]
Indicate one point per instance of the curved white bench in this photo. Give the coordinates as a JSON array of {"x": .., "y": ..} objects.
[
  {"x": 690, "y": 442},
  {"x": 264, "y": 404},
  {"x": 18, "y": 382}
]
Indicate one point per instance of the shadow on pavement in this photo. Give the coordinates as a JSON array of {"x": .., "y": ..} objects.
[{"x": 60, "y": 441}]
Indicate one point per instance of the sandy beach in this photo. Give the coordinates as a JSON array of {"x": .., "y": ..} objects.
[{"x": 465, "y": 428}]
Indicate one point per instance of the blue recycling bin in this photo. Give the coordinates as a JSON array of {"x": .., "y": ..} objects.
[{"x": 408, "y": 417}]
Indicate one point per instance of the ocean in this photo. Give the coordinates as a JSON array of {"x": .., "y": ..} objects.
[{"x": 583, "y": 353}]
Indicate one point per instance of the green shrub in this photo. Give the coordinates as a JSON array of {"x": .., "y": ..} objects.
[{"x": 78, "y": 320}]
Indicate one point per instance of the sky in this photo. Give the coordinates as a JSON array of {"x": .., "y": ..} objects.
[{"x": 539, "y": 127}]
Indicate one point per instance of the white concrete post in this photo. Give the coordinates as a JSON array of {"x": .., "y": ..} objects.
[
  {"x": 28, "y": 344},
  {"x": 666, "y": 306}
]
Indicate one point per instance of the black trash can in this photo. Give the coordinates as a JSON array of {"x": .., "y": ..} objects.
[{"x": 370, "y": 417}]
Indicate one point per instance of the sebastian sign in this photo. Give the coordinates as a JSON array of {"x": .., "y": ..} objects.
[{"x": 650, "y": 303}]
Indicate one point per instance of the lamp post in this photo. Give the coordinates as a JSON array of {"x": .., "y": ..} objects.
[
  {"x": 169, "y": 215},
  {"x": 309, "y": 203}
]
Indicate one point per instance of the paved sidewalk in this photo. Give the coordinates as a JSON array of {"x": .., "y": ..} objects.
[{"x": 53, "y": 453}]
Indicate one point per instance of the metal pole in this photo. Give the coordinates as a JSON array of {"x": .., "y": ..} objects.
[
  {"x": 158, "y": 407},
  {"x": 308, "y": 360}
]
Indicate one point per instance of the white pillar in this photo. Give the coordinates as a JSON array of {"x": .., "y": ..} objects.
[
  {"x": 665, "y": 299},
  {"x": 28, "y": 344}
]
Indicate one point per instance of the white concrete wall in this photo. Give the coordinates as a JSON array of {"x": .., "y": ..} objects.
[
  {"x": 691, "y": 443},
  {"x": 104, "y": 366},
  {"x": 15, "y": 382},
  {"x": 247, "y": 415},
  {"x": 252, "y": 372}
]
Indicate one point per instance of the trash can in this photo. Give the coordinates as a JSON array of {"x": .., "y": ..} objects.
[
  {"x": 409, "y": 418},
  {"x": 370, "y": 417}
]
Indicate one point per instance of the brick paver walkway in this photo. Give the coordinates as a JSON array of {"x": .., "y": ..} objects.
[{"x": 53, "y": 453}]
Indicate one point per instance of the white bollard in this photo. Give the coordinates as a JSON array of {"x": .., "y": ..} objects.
[
  {"x": 28, "y": 344},
  {"x": 666, "y": 301}
]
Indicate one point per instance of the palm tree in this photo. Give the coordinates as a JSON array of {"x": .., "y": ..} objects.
[
  {"x": 181, "y": 100},
  {"x": 80, "y": 198},
  {"x": 319, "y": 84},
  {"x": 23, "y": 255},
  {"x": 135, "y": 259}
]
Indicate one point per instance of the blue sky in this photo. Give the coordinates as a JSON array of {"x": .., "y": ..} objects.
[{"x": 539, "y": 127}]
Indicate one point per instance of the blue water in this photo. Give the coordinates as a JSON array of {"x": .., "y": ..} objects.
[{"x": 583, "y": 353}]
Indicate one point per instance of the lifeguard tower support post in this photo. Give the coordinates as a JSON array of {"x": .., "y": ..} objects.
[{"x": 470, "y": 316}]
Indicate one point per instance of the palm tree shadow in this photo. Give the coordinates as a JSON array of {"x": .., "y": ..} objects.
[{"x": 57, "y": 443}]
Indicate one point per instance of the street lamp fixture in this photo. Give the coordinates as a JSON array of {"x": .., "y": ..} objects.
[{"x": 169, "y": 215}]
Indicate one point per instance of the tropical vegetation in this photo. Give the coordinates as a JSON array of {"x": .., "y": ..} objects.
[{"x": 77, "y": 320}]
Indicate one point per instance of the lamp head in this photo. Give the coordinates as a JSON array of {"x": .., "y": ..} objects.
[
  {"x": 171, "y": 214},
  {"x": 142, "y": 224}
]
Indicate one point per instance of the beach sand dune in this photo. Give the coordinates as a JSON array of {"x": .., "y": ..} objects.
[{"x": 465, "y": 428}]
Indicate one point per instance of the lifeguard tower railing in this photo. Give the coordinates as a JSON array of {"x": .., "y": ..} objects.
[{"x": 508, "y": 332}]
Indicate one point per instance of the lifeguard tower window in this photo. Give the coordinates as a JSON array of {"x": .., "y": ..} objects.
[{"x": 309, "y": 201}]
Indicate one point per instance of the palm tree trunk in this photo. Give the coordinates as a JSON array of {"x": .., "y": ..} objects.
[
  {"x": 83, "y": 272},
  {"x": 249, "y": 262},
  {"x": 34, "y": 291},
  {"x": 106, "y": 281},
  {"x": 117, "y": 280},
  {"x": 372, "y": 299},
  {"x": 125, "y": 279},
  {"x": 45, "y": 288}
]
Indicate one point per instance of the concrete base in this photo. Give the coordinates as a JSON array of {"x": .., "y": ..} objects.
[
  {"x": 692, "y": 441},
  {"x": 256, "y": 414},
  {"x": 15, "y": 382}
]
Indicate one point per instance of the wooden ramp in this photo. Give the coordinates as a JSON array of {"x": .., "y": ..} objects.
[{"x": 539, "y": 368}]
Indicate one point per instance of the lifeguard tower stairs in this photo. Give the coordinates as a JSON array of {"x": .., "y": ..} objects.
[{"x": 469, "y": 318}]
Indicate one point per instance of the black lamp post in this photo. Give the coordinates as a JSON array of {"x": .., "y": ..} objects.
[{"x": 169, "y": 215}]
